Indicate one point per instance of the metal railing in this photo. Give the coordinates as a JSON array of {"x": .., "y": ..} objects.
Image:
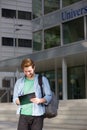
[{"x": 5, "y": 95}]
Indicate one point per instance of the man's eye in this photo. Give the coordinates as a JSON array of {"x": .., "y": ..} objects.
[{"x": 27, "y": 71}]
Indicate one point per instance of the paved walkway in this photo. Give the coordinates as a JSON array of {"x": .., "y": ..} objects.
[
  {"x": 9, "y": 124},
  {"x": 6, "y": 125}
]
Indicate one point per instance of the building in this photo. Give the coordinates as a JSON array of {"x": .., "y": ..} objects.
[
  {"x": 60, "y": 32},
  {"x": 59, "y": 46},
  {"x": 15, "y": 34},
  {"x": 15, "y": 28}
]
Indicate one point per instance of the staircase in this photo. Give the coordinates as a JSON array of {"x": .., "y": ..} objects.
[
  {"x": 8, "y": 116},
  {"x": 5, "y": 95},
  {"x": 72, "y": 115}
]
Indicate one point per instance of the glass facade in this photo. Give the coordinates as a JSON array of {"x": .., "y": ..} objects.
[
  {"x": 73, "y": 30},
  {"x": 51, "y": 77},
  {"x": 36, "y": 8},
  {"x": 69, "y": 2},
  {"x": 48, "y": 6},
  {"x": 42, "y": 7},
  {"x": 51, "y": 5},
  {"x": 52, "y": 37},
  {"x": 37, "y": 41},
  {"x": 76, "y": 82}
]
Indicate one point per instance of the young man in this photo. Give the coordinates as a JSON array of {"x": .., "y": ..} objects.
[{"x": 31, "y": 114}]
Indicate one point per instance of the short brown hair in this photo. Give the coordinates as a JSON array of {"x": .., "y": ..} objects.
[{"x": 26, "y": 63}]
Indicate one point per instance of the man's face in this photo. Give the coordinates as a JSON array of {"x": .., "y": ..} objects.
[{"x": 29, "y": 71}]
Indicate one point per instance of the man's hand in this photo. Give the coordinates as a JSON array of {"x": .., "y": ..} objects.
[
  {"x": 17, "y": 101},
  {"x": 38, "y": 100}
]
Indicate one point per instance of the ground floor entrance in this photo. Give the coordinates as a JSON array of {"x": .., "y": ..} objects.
[
  {"x": 65, "y": 67},
  {"x": 76, "y": 82}
]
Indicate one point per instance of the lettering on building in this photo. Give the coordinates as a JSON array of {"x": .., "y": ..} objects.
[{"x": 73, "y": 13}]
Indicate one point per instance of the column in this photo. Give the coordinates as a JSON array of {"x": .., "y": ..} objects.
[
  {"x": 56, "y": 81},
  {"x": 64, "y": 78}
]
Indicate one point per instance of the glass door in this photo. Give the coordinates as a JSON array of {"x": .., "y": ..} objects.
[{"x": 76, "y": 82}]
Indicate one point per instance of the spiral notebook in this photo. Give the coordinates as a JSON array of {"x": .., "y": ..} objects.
[{"x": 25, "y": 99}]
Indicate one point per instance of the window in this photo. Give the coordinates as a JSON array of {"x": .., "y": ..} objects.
[
  {"x": 52, "y": 37},
  {"x": 37, "y": 41},
  {"x": 73, "y": 30},
  {"x": 7, "y": 41},
  {"x": 6, "y": 83},
  {"x": 51, "y": 5},
  {"x": 24, "y": 15},
  {"x": 8, "y": 13},
  {"x": 21, "y": 42},
  {"x": 69, "y": 2},
  {"x": 24, "y": 43},
  {"x": 76, "y": 82},
  {"x": 51, "y": 77},
  {"x": 36, "y": 8}
]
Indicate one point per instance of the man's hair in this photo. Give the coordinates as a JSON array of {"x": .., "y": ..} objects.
[{"x": 26, "y": 63}]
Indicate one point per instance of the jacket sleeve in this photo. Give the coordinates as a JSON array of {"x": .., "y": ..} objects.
[
  {"x": 46, "y": 89},
  {"x": 15, "y": 93},
  {"x": 18, "y": 89}
]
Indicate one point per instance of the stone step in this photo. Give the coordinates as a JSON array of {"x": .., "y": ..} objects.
[
  {"x": 78, "y": 102},
  {"x": 65, "y": 126},
  {"x": 67, "y": 121},
  {"x": 61, "y": 129},
  {"x": 8, "y": 106},
  {"x": 12, "y": 118},
  {"x": 72, "y": 115},
  {"x": 8, "y": 112},
  {"x": 72, "y": 112},
  {"x": 6, "y": 125}
]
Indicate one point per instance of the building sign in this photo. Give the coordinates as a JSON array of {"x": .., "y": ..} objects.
[{"x": 73, "y": 13}]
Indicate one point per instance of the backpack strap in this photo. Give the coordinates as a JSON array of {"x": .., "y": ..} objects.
[{"x": 40, "y": 83}]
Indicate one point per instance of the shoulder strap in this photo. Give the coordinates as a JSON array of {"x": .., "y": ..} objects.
[{"x": 40, "y": 83}]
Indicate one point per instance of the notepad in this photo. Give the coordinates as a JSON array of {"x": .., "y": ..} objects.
[{"x": 25, "y": 99}]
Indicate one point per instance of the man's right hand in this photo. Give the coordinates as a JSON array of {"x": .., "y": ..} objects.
[{"x": 18, "y": 101}]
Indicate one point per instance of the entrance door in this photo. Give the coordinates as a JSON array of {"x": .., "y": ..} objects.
[{"x": 76, "y": 82}]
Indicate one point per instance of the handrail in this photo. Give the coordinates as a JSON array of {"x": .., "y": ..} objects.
[{"x": 7, "y": 90}]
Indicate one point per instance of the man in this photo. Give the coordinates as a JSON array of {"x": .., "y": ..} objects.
[{"x": 31, "y": 114}]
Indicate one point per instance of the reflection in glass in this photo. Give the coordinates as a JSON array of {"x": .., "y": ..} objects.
[
  {"x": 51, "y": 5},
  {"x": 51, "y": 77},
  {"x": 52, "y": 37},
  {"x": 76, "y": 82},
  {"x": 36, "y": 8},
  {"x": 69, "y": 2},
  {"x": 37, "y": 41},
  {"x": 73, "y": 31}
]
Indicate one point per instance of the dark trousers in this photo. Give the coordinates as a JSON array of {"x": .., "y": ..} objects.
[{"x": 30, "y": 122}]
